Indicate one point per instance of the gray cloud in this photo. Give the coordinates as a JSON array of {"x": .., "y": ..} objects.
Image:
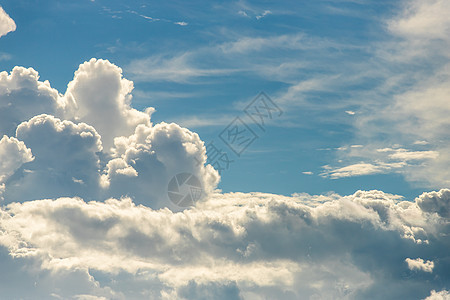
[
  {"x": 89, "y": 141},
  {"x": 240, "y": 245},
  {"x": 72, "y": 224}
]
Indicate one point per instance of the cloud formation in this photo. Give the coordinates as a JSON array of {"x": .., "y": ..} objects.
[
  {"x": 90, "y": 141},
  {"x": 411, "y": 105},
  {"x": 6, "y": 23},
  {"x": 85, "y": 213},
  {"x": 235, "y": 246},
  {"x": 420, "y": 264}
]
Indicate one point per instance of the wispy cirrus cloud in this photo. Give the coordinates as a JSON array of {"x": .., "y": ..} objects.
[
  {"x": 360, "y": 169},
  {"x": 393, "y": 74},
  {"x": 405, "y": 90},
  {"x": 235, "y": 57},
  {"x": 179, "y": 68},
  {"x": 85, "y": 202},
  {"x": 380, "y": 161}
]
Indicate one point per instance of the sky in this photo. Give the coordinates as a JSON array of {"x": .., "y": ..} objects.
[{"x": 310, "y": 138}]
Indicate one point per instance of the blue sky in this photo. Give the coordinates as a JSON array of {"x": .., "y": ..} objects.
[
  {"x": 359, "y": 147},
  {"x": 228, "y": 52}
]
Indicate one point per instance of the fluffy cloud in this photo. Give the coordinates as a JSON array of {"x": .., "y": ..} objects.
[
  {"x": 77, "y": 167},
  {"x": 6, "y": 23},
  {"x": 90, "y": 142},
  {"x": 13, "y": 153},
  {"x": 420, "y": 264},
  {"x": 436, "y": 202},
  {"x": 66, "y": 161},
  {"x": 442, "y": 295},
  {"x": 100, "y": 96},
  {"x": 143, "y": 163},
  {"x": 23, "y": 96},
  {"x": 235, "y": 246}
]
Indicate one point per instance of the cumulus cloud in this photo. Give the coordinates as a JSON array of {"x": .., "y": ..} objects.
[
  {"x": 23, "y": 96},
  {"x": 436, "y": 202},
  {"x": 13, "y": 154},
  {"x": 235, "y": 245},
  {"x": 143, "y": 163},
  {"x": 66, "y": 161},
  {"x": 85, "y": 213},
  {"x": 99, "y": 95},
  {"x": 6, "y": 23},
  {"x": 420, "y": 264},
  {"x": 90, "y": 142},
  {"x": 442, "y": 295}
]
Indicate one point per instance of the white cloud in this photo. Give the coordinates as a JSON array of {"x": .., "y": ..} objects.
[
  {"x": 411, "y": 107},
  {"x": 143, "y": 163},
  {"x": 142, "y": 16},
  {"x": 4, "y": 56},
  {"x": 420, "y": 264},
  {"x": 13, "y": 154},
  {"x": 405, "y": 155},
  {"x": 99, "y": 95},
  {"x": 265, "y": 13},
  {"x": 404, "y": 87},
  {"x": 91, "y": 141},
  {"x": 23, "y": 96},
  {"x": 436, "y": 202},
  {"x": 178, "y": 68},
  {"x": 230, "y": 240},
  {"x": 360, "y": 169},
  {"x": 63, "y": 151},
  {"x": 384, "y": 160},
  {"x": 181, "y": 23},
  {"x": 229, "y": 246},
  {"x": 423, "y": 20},
  {"x": 205, "y": 120},
  {"x": 242, "y": 13},
  {"x": 442, "y": 295},
  {"x": 6, "y": 23},
  {"x": 235, "y": 56}
]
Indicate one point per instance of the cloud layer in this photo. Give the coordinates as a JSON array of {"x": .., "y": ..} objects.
[
  {"x": 403, "y": 123},
  {"x": 235, "y": 246},
  {"x": 85, "y": 212}
]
